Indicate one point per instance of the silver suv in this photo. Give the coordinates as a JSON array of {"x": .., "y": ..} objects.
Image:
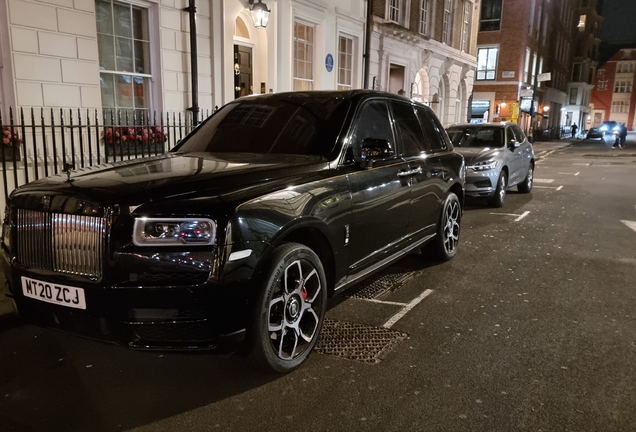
[{"x": 498, "y": 156}]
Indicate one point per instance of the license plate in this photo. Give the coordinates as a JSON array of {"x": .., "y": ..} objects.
[{"x": 53, "y": 293}]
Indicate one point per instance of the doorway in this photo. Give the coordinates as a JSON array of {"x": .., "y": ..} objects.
[
  {"x": 396, "y": 79},
  {"x": 242, "y": 71}
]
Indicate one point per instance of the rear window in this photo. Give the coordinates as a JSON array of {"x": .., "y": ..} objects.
[{"x": 291, "y": 125}]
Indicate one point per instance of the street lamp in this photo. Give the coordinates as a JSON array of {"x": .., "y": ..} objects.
[{"x": 260, "y": 14}]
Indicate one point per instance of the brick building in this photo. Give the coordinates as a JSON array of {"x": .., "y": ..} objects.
[
  {"x": 613, "y": 97},
  {"x": 524, "y": 59},
  {"x": 427, "y": 49}
]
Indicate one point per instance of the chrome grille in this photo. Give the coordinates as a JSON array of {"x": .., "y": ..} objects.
[{"x": 60, "y": 242}]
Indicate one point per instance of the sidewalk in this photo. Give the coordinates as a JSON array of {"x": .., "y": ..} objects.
[{"x": 6, "y": 305}]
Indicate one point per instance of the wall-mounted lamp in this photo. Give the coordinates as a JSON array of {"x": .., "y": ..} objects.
[
  {"x": 546, "y": 108},
  {"x": 503, "y": 104},
  {"x": 260, "y": 14}
]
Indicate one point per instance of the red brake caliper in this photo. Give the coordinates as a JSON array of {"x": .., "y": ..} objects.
[{"x": 304, "y": 293}]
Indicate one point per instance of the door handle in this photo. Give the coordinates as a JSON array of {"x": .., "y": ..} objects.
[{"x": 410, "y": 172}]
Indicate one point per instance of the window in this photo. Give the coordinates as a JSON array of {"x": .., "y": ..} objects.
[
  {"x": 540, "y": 69},
  {"x": 373, "y": 122},
  {"x": 303, "y": 57},
  {"x": 531, "y": 24},
  {"x": 534, "y": 68},
  {"x": 581, "y": 24},
  {"x": 436, "y": 138},
  {"x": 490, "y": 19},
  {"x": 620, "y": 107},
  {"x": 424, "y": 13},
  {"x": 487, "y": 63},
  {"x": 526, "y": 66},
  {"x": 623, "y": 86},
  {"x": 409, "y": 129},
  {"x": 602, "y": 85},
  {"x": 123, "y": 44},
  {"x": 574, "y": 92},
  {"x": 600, "y": 72},
  {"x": 345, "y": 63},
  {"x": 576, "y": 72},
  {"x": 394, "y": 11},
  {"x": 468, "y": 7},
  {"x": 625, "y": 67},
  {"x": 447, "y": 24}
]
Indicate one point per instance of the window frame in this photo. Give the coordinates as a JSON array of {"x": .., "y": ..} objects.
[
  {"x": 447, "y": 22},
  {"x": 486, "y": 71},
  {"x": 491, "y": 18},
  {"x": 464, "y": 44},
  {"x": 153, "y": 78},
  {"x": 425, "y": 12},
  {"x": 340, "y": 85},
  {"x": 312, "y": 62}
]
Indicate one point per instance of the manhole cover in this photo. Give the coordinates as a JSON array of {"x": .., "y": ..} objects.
[
  {"x": 378, "y": 285},
  {"x": 356, "y": 341}
]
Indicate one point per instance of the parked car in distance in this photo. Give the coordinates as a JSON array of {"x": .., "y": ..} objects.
[
  {"x": 498, "y": 156},
  {"x": 607, "y": 127},
  {"x": 235, "y": 238},
  {"x": 594, "y": 133}
]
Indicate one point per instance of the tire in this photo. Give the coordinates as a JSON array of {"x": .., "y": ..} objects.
[
  {"x": 289, "y": 311},
  {"x": 497, "y": 200},
  {"x": 443, "y": 247},
  {"x": 526, "y": 185}
]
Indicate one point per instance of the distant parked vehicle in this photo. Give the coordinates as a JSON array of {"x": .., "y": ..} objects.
[
  {"x": 594, "y": 133},
  {"x": 498, "y": 156}
]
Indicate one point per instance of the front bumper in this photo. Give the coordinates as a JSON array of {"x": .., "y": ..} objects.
[
  {"x": 481, "y": 183},
  {"x": 177, "y": 317}
]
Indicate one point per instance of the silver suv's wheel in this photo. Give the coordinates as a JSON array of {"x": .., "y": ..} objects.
[
  {"x": 526, "y": 185},
  {"x": 498, "y": 199},
  {"x": 290, "y": 309}
]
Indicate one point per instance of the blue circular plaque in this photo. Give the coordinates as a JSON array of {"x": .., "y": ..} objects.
[{"x": 329, "y": 62}]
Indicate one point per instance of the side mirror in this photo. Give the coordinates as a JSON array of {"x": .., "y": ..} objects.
[
  {"x": 514, "y": 144},
  {"x": 373, "y": 149}
]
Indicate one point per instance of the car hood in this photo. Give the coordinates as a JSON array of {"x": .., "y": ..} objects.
[
  {"x": 177, "y": 175},
  {"x": 473, "y": 155}
]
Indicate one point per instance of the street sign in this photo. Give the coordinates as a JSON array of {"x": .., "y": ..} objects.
[
  {"x": 525, "y": 93},
  {"x": 546, "y": 76}
]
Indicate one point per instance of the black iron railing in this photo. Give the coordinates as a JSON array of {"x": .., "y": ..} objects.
[{"x": 37, "y": 143}]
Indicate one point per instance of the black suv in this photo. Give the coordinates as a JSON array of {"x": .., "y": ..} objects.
[{"x": 241, "y": 232}]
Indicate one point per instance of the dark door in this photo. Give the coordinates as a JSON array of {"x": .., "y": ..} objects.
[
  {"x": 242, "y": 71},
  {"x": 380, "y": 195},
  {"x": 424, "y": 212}
]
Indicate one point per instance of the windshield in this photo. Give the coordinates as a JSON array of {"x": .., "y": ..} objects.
[
  {"x": 301, "y": 124},
  {"x": 477, "y": 136}
]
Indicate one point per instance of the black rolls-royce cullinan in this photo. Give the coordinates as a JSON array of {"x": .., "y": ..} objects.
[{"x": 237, "y": 236}]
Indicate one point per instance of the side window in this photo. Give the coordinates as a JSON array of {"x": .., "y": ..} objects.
[
  {"x": 519, "y": 133},
  {"x": 510, "y": 136},
  {"x": 435, "y": 134},
  {"x": 409, "y": 129},
  {"x": 372, "y": 122}
]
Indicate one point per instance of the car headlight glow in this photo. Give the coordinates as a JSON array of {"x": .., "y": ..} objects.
[
  {"x": 484, "y": 166},
  {"x": 174, "y": 232},
  {"x": 603, "y": 128}
]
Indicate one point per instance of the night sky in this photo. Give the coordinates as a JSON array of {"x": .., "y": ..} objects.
[{"x": 619, "y": 17}]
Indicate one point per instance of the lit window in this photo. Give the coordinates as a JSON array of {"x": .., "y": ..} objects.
[
  {"x": 345, "y": 63},
  {"x": 526, "y": 67},
  {"x": 581, "y": 24},
  {"x": 123, "y": 44},
  {"x": 303, "y": 57},
  {"x": 487, "y": 63},
  {"x": 602, "y": 85}
]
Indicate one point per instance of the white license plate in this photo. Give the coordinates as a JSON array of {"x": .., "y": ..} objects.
[{"x": 53, "y": 293}]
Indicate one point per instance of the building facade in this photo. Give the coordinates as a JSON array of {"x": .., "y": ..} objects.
[
  {"x": 524, "y": 60},
  {"x": 585, "y": 62},
  {"x": 426, "y": 48},
  {"x": 137, "y": 54},
  {"x": 613, "y": 97}
]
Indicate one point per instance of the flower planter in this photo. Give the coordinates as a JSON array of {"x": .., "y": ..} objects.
[
  {"x": 135, "y": 149},
  {"x": 9, "y": 153}
]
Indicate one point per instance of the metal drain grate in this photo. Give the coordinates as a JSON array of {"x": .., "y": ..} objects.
[
  {"x": 376, "y": 286},
  {"x": 356, "y": 341}
]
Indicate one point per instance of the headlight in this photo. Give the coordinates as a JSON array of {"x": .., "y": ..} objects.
[
  {"x": 603, "y": 128},
  {"x": 174, "y": 232},
  {"x": 484, "y": 166}
]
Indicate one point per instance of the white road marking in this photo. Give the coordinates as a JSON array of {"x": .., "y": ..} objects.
[
  {"x": 385, "y": 302},
  {"x": 584, "y": 164},
  {"x": 574, "y": 174},
  {"x": 540, "y": 180},
  {"x": 518, "y": 216},
  {"x": 395, "y": 318},
  {"x": 547, "y": 187},
  {"x": 559, "y": 188},
  {"x": 630, "y": 224}
]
